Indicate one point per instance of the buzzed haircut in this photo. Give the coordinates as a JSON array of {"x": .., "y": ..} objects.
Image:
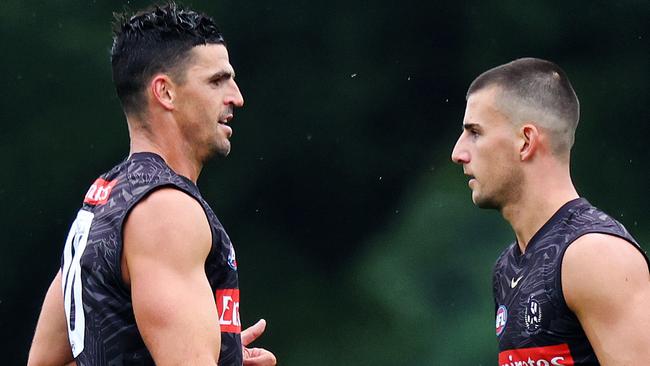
[
  {"x": 536, "y": 90},
  {"x": 158, "y": 39}
]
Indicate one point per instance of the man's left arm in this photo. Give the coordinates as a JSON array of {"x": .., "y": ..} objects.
[
  {"x": 606, "y": 283},
  {"x": 50, "y": 346}
]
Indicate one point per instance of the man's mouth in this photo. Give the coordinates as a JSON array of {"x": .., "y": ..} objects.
[
  {"x": 223, "y": 121},
  {"x": 471, "y": 179}
]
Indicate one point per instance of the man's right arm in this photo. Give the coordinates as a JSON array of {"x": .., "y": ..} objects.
[{"x": 167, "y": 239}]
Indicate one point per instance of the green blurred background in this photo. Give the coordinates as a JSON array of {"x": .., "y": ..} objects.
[{"x": 355, "y": 234}]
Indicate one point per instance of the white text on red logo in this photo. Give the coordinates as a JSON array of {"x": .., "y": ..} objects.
[
  {"x": 228, "y": 310},
  {"x": 558, "y": 355},
  {"x": 99, "y": 192}
]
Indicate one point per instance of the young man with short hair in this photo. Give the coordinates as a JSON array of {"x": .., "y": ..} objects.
[{"x": 574, "y": 287}]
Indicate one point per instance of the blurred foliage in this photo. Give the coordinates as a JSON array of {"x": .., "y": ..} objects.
[{"x": 356, "y": 236}]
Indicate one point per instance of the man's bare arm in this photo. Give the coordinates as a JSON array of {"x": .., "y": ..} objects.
[
  {"x": 606, "y": 283},
  {"x": 50, "y": 346},
  {"x": 167, "y": 239}
]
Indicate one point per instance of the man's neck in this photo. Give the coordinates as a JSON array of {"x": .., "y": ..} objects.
[
  {"x": 538, "y": 203},
  {"x": 169, "y": 146}
]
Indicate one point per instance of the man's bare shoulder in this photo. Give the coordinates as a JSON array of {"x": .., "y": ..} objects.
[
  {"x": 167, "y": 209},
  {"x": 602, "y": 267},
  {"x": 168, "y": 198},
  {"x": 166, "y": 226}
]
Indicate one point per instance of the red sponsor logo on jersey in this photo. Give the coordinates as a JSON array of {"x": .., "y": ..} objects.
[
  {"x": 99, "y": 192},
  {"x": 228, "y": 309},
  {"x": 540, "y": 356}
]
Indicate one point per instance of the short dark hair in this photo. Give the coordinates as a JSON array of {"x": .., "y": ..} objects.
[
  {"x": 158, "y": 39},
  {"x": 539, "y": 86}
]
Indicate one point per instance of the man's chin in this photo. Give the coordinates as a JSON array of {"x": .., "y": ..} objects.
[
  {"x": 482, "y": 202},
  {"x": 223, "y": 152},
  {"x": 219, "y": 151}
]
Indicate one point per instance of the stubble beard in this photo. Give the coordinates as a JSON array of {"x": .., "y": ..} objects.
[
  {"x": 221, "y": 147},
  {"x": 218, "y": 148},
  {"x": 215, "y": 146},
  {"x": 507, "y": 192}
]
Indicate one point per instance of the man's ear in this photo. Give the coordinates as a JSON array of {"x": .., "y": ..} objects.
[
  {"x": 162, "y": 90},
  {"x": 530, "y": 141}
]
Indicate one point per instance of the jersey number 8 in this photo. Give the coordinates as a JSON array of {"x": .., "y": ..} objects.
[{"x": 72, "y": 300}]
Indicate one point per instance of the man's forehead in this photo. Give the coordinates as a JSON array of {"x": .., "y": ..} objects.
[
  {"x": 211, "y": 56},
  {"x": 482, "y": 107},
  {"x": 486, "y": 96}
]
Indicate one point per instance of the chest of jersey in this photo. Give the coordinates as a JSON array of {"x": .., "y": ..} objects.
[
  {"x": 534, "y": 325},
  {"x": 530, "y": 324},
  {"x": 526, "y": 313}
]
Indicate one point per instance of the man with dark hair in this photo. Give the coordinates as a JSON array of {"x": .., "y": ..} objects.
[
  {"x": 148, "y": 273},
  {"x": 574, "y": 287}
]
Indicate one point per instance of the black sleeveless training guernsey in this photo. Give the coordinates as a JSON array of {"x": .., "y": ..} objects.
[
  {"x": 101, "y": 324},
  {"x": 534, "y": 326}
]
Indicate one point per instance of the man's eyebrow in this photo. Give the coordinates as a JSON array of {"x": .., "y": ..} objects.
[
  {"x": 223, "y": 74},
  {"x": 469, "y": 126}
]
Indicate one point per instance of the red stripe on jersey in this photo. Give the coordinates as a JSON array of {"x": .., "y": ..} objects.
[
  {"x": 559, "y": 355},
  {"x": 228, "y": 309}
]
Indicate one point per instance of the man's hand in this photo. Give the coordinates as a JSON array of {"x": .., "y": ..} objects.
[{"x": 256, "y": 356}]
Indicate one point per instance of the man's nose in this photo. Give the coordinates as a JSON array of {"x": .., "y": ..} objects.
[
  {"x": 235, "y": 98},
  {"x": 459, "y": 154}
]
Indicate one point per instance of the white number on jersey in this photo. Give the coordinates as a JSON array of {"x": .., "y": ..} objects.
[{"x": 74, "y": 248}]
